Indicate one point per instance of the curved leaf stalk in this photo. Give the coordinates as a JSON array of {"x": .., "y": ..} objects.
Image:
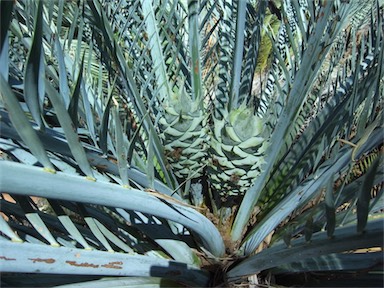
[
  {"x": 309, "y": 221},
  {"x": 74, "y": 188},
  {"x": 301, "y": 194},
  {"x": 320, "y": 245}
]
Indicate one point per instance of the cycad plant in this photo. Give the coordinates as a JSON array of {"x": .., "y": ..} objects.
[{"x": 157, "y": 143}]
